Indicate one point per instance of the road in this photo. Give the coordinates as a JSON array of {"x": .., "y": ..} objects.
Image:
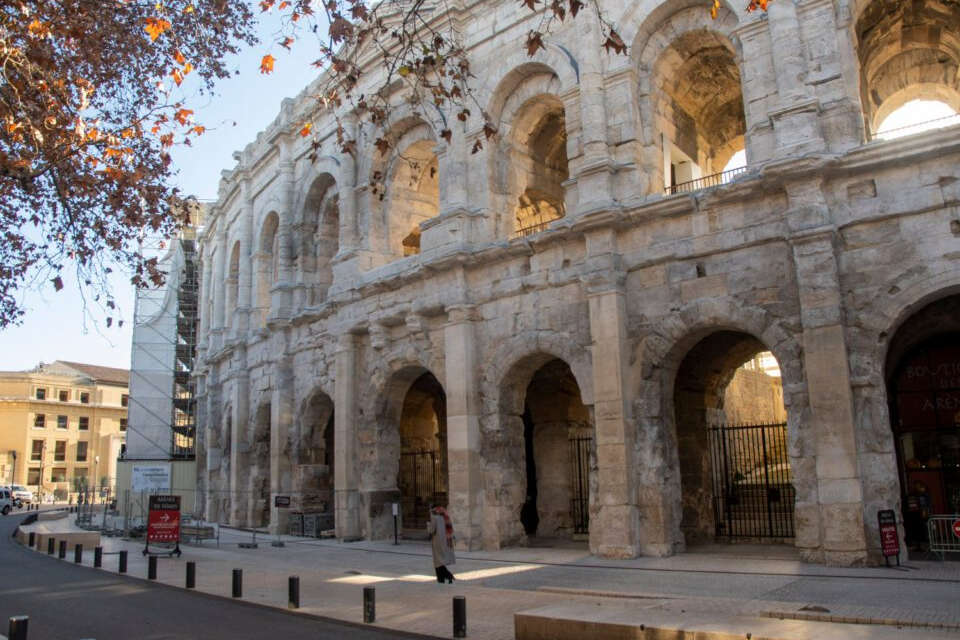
[{"x": 66, "y": 602}]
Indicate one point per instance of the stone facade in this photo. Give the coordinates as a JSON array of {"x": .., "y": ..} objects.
[{"x": 553, "y": 286}]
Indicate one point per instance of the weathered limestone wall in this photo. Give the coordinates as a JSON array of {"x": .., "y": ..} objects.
[{"x": 817, "y": 253}]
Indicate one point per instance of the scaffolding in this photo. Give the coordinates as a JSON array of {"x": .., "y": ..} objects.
[{"x": 184, "y": 396}]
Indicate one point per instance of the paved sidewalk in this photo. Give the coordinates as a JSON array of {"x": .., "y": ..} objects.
[{"x": 716, "y": 585}]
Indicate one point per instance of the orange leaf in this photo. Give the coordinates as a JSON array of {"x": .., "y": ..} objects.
[
  {"x": 155, "y": 27},
  {"x": 177, "y": 76},
  {"x": 305, "y": 131},
  {"x": 199, "y": 130},
  {"x": 179, "y": 57},
  {"x": 38, "y": 29},
  {"x": 187, "y": 68},
  {"x": 183, "y": 115},
  {"x": 266, "y": 64}
]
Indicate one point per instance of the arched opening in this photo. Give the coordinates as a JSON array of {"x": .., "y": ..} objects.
[
  {"x": 917, "y": 116},
  {"x": 232, "y": 284},
  {"x": 258, "y": 496},
  {"x": 559, "y": 456},
  {"x": 735, "y": 475},
  {"x": 539, "y": 164},
  {"x": 319, "y": 238},
  {"x": 698, "y": 110},
  {"x": 923, "y": 389},
  {"x": 414, "y": 195},
  {"x": 266, "y": 262},
  {"x": 314, "y": 471},
  {"x": 422, "y": 475},
  {"x": 908, "y": 51}
]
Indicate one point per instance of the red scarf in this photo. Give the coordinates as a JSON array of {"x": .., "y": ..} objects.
[{"x": 447, "y": 524}]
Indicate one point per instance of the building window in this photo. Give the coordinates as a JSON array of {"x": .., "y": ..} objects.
[
  {"x": 80, "y": 478},
  {"x": 63, "y": 396},
  {"x": 61, "y": 422},
  {"x": 37, "y": 452},
  {"x": 124, "y": 400},
  {"x": 41, "y": 393},
  {"x": 123, "y": 424},
  {"x": 82, "y": 451},
  {"x": 60, "y": 452},
  {"x": 39, "y": 421},
  {"x": 83, "y": 423},
  {"x": 84, "y": 397},
  {"x": 33, "y": 476},
  {"x": 58, "y": 474}
]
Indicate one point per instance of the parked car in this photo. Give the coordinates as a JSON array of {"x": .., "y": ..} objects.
[
  {"x": 21, "y": 494},
  {"x": 6, "y": 501}
]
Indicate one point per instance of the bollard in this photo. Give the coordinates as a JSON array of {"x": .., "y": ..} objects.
[
  {"x": 62, "y": 553},
  {"x": 238, "y": 583},
  {"x": 123, "y": 562},
  {"x": 152, "y": 568},
  {"x": 459, "y": 617},
  {"x": 78, "y": 554},
  {"x": 369, "y": 604},
  {"x": 31, "y": 539},
  {"x": 191, "y": 575},
  {"x": 50, "y": 543},
  {"x": 293, "y": 592},
  {"x": 97, "y": 557},
  {"x": 18, "y": 628}
]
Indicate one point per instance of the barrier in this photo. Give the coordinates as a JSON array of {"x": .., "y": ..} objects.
[{"x": 943, "y": 532}]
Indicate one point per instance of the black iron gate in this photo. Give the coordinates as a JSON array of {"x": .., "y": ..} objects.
[
  {"x": 753, "y": 492},
  {"x": 419, "y": 487},
  {"x": 580, "y": 481}
]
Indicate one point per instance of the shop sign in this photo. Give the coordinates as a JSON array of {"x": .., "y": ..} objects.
[
  {"x": 163, "y": 523},
  {"x": 889, "y": 540}
]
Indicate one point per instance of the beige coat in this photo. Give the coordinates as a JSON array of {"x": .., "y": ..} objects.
[{"x": 442, "y": 552}]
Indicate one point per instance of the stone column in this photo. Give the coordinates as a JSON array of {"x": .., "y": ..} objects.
[
  {"x": 614, "y": 519},
  {"x": 245, "y": 285},
  {"x": 239, "y": 446},
  {"x": 463, "y": 425},
  {"x": 830, "y": 530},
  {"x": 212, "y": 402},
  {"x": 281, "y": 451},
  {"x": 346, "y": 486},
  {"x": 219, "y": 290},
  {"x": 280, "y": 294}
]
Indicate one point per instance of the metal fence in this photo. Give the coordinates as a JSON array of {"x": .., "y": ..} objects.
[
  {"x": 580, "y": 481},
  {"x": 713, "y": 180},
  {"x": 943, "y": 532}
]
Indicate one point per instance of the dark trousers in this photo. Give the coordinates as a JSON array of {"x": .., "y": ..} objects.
[{"x": 443, "y": 574}]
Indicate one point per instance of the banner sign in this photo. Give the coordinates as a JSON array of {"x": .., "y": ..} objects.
[
  {"x": 163, "y": 524},
  {"x": 150, "y": 477},
  {"x": 889, "y": 540}
]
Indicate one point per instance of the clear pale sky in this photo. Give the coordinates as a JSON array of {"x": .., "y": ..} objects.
[{"x": 55, "y": 326}]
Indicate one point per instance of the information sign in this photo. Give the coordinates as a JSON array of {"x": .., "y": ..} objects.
[
  {"x": 889, "y": 540},
  {"x": 163, "y": 524},
  {"x": 281, "y": 501},
  {"x": 956, "y": 528}
]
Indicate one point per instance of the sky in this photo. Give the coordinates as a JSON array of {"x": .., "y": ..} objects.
[{"x": 60, "y": 325}]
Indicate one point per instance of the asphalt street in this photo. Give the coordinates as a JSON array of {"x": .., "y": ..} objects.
[{"x": 66, "y": 602}]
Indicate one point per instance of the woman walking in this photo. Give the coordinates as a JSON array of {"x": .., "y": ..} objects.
[{"x": 440, "y": 529}]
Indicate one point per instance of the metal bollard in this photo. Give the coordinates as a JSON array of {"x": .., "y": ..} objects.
[
  {"x": 62, "y": 553},
  {"x": 152, "y": 568},
  {"x": 18, "y": 628},
  {"x": 459, "y": 617},
  {"x": 293, "y": 592},
  {"x": 97, "y": 557},
  {"x": 369, "y": 604},
  {"x": 191, "y": 575},
  {"x": 31, "y": 539},
  {"x": 123, "y": 562},
  {"x": 78, "y": 553},
  {"x": 238, "y": 583},
  {"x": 50, "y": 543}
]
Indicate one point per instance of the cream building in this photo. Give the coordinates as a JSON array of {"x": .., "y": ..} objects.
[
  {"x": 542, "y": 334},
  {"x": 66, "y": 422}
]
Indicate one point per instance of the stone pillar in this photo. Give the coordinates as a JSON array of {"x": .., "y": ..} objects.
[
  {"x": 614, "y": 519},
  {"x": 347, "y": 496},
  {"x": 218, "y": 290},
  {"x": 281, "y": 451},
  {"x": 831, "y": 530},
  {"x": 245, "y": 285},
  {"x": 796, "y": 120},
  {"x": 280, "y": 294},
  {"x": 212, "y": 401},
  {"x": 239, "y": 445},
  {"x": 463, "y": 425}
]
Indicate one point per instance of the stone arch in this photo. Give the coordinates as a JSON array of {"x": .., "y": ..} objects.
[
  {"x": 691, "y": 98},
  {"x": 319, "y": 237},
  {"x": 906, "y": 51},
  {"x": 533, "y": 135},
  {"x": 267, "y": 263},
  {"x": 313, "y": 462},
  {"x": 641, "y": 19}
]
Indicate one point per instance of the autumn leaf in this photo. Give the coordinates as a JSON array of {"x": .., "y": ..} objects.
[
  {"x": 535, "y": 42},
  {"x": 183, "y": 115},
  {"x": 57, "y": 283},
  {"x": 615, "y": 42},
  {"x": 266, "y": 64},
  {"x": 382, "y": 145},
  {"x": 477, "y": 145},
  {"x": 305, "y": 131},
  {"x": 177, "y": 76},
  {"x": 447, "y": 135},
  {"x": 179, "y": 57},
  {"x": 155, "y": 27},
  {"x": 286, "y": 42}
]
